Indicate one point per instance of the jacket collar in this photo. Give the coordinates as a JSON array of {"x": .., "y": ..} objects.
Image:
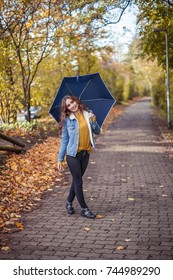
[{"x": 72, "y": 116}]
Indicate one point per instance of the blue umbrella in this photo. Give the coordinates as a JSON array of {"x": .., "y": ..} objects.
[{"x": 91, "y": 90}]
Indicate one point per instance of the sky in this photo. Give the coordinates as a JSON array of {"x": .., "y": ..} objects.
[{"x": 122, "y": 33}]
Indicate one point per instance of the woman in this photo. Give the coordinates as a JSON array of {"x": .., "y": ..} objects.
[{"x": 77, "y": 124}]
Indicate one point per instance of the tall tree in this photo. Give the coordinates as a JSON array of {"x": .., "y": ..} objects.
[
  {"x": 31, "y": 28},
  {"x": 9, "y": 83},
  {"x": 155, "y": 15}
]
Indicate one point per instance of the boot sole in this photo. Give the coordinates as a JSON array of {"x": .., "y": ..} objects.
[{"x": 88, "y": 217}]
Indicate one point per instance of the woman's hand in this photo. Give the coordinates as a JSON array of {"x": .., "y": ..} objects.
[
  {"x": 92, "y": 117},
  {"x": 60, "y": 166}
]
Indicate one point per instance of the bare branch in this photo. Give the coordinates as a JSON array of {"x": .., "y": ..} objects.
[{"x": 170, "y": 2}]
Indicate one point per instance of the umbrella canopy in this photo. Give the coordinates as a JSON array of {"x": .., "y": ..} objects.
[{"x": 91, "y": 90}]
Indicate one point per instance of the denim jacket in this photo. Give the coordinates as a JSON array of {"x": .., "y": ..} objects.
[{"x": 70, "y": 135}]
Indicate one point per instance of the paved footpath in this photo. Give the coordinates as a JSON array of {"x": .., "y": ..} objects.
[{"x": 129, "y": 181}]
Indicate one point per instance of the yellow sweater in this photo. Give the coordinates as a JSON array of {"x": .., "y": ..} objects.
[{"x": 84, "y": 138}]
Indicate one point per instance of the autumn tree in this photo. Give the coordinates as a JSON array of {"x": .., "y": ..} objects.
[
  {"x": 30, "y": 27},
  {"x": 33, "y": 29},
  {"x": 154, "y": 15},
  {"x": 9, "y": 89},
  {"x": 157, "y": 15}
]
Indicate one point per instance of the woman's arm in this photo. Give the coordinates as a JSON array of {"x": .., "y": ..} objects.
[
  {"x": 94, "y": 124},
  {"x": 64, "y": 143}
]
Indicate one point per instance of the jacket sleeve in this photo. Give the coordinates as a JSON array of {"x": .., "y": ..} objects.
[
  {"x": 64, "y": 143},
  {"x": 95, "y": 127}
]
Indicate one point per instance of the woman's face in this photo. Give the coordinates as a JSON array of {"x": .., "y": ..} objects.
[{"x": 72, "y": 105}]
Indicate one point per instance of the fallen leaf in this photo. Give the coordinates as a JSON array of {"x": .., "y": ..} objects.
[
  {"x": 14, "y": 166},
  {"x": 58, "y": 180},
  {"x": 131, "y": 198},
  {"x": 112, "y": 220},
  {"x": 5, "y": 248},
  {"x": 37, "y": 199},
  {"x": 66, "y": 183},
  {"x": 98, "y": 216},
  {"x": 87, "y": 229},
  {"x": 19, "y": 225},
  {"x": 120, "y": 248}
]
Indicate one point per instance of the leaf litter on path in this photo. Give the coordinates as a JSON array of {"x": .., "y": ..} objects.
[{"x": 24, "y": 178}]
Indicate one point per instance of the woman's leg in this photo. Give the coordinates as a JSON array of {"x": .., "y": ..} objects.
[{"x": 77, "y": 166}]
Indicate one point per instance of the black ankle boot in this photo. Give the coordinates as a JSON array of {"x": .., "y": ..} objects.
[
  {"x": 69, "y": 208},
  {"x": 87, "y": 214}
]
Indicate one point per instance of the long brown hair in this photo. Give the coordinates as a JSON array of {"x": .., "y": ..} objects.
[{"x": 64, "y": 110}]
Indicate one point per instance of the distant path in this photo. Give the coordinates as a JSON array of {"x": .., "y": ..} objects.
[{"x": 129, "y": 181}]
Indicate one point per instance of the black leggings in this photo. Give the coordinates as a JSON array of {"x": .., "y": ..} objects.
[{"x": 77, "y": 166}]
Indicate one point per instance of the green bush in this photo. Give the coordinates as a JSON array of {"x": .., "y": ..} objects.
[{"x": 25, "y": 125}]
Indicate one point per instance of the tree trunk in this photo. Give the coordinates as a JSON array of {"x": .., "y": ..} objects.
[
  {"x": 10, "y": 149},
  {"x": 11, "y": 140}
]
